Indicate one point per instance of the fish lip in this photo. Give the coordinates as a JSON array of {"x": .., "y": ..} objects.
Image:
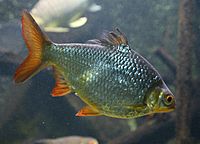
[{"x": 173, "y": 106}]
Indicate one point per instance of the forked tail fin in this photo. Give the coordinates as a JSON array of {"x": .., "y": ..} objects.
[{"x": 35, "y": 41}]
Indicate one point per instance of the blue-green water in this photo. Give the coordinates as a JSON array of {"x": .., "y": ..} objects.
[{"x": 29, "y": 113}]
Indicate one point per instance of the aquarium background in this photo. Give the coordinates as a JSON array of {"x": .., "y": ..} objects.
[{"x": 28, "y": 113}]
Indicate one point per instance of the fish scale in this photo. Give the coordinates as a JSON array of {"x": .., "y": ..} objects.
[
  {"x": 106, "y": 76},
  {"x": 106, "y": 73}
]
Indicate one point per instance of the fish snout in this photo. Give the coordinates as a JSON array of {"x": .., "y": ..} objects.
[
  {"x": 173, "y": 105},
  {"x": 169, "y": 102}
]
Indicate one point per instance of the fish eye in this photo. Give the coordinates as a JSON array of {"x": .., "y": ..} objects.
[{"x": 168, "y": 99}]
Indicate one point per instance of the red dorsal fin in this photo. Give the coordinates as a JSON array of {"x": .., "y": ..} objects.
[
  {"x": 112, "y": 38},
  {"x": 61, "y": 87},
  {"x": 88, "y": 111}
]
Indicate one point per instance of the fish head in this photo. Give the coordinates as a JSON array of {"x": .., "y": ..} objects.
[{"x": 161, "y": 99}]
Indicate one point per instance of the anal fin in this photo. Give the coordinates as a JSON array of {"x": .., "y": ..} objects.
[
  {"x": 88, "y": 111},
  {"x": 61, "y": 87}
]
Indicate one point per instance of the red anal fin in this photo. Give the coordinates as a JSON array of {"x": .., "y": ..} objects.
[
  {"x": 61, "y": 87},
  {"x": 88, "y": 111},
  {"x": 60, "y": 90}
]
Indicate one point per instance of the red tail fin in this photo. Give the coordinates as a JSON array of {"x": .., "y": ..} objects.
[{"x": 35, "y": 41}]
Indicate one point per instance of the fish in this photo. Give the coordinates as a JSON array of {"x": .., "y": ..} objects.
[
  {"x": 109, "y": 76},
  {"x": 61, "y": 15},
  {"x": 68, "y": 140}
]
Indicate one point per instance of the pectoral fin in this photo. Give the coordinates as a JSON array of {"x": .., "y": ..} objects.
[
  {"x": 137, "y": 107},
  {"x": 61, "y": 87},
  {"x": 88, "y": 111}
]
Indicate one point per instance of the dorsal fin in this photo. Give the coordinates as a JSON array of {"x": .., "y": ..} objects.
[{"x": 111, "y": 38}]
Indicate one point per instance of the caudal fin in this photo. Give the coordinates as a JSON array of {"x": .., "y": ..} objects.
[{"x": 35, "y": 41}]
